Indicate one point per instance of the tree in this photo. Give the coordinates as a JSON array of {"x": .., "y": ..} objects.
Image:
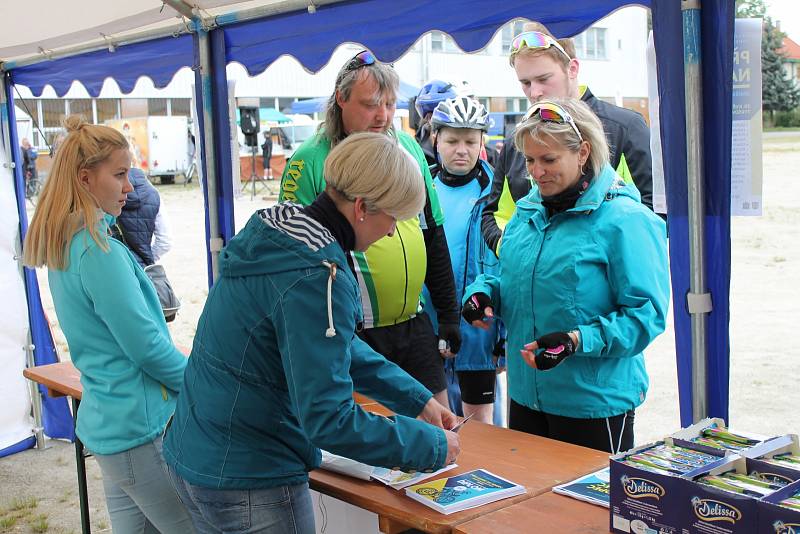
[{"x": 778, "y": 91}]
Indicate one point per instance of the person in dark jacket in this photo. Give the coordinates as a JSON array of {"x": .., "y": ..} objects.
[
  {"x": 546, "y": 68},
  {"x": 142, "y": 226},
  {"x": 266, "y": 154},
  {"x": 276, "y": 358}
]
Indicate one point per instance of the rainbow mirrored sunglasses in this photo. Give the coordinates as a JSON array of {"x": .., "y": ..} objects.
[
  {"x": 552, "y": 112},
  {"x": 536, "y": 40},
  {"x": 362, "y": 59}
]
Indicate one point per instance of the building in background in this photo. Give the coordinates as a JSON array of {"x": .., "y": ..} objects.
[{"x": 791, "y": 59}]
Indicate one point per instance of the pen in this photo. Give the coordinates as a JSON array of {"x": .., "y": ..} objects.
[{"x": 459, "y": 425}]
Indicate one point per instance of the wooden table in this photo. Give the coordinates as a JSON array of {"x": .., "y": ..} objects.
[
  {"x": 62, "y": 379},
  {"x": 536, "y": 463},
  {"x": 548, "y": 512}
]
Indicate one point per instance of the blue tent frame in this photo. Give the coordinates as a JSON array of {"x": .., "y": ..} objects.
[{"x": 389, "y": 28}]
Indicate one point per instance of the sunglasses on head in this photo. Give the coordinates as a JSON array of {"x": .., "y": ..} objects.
[
  {"x": 362, "y": 59},
  {"x": 552, "y": 112},
  {"x": 535, "y": 40}
]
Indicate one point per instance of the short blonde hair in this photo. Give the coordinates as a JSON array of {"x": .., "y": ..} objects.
[
  {"x": 374, "y": 167},
  {"x": 567, "y": 44},
  {"x": 588, "y": 124},
  {"x": 65, "y": 205}
]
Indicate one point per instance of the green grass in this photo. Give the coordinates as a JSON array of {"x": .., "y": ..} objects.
[
  {"x": 782, "y": 129},
  {"x": 7, "y": 522},
  {"x": 27, "y": 503},
  {"x": 39, "y": 524}
]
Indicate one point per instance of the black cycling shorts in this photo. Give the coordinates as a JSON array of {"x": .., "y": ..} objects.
[
  {"x": 477, "y": 387},
  {"x": 413, "y": 346}
]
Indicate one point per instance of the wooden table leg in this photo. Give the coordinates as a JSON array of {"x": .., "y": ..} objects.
[
  {"x": 83, "y": 492},
  {"x": 388, "y": 526}
]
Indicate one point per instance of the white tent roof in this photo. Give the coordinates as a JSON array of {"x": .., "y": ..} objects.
[{"x": 49, "y": 26}]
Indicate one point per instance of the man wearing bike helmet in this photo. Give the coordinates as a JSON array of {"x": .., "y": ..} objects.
[
  {"x": 429, "y": 96},
  {"x": 463, "y": 181},
  {"x": 547, "y": 67},
  {"x": 391, "y": 272}
]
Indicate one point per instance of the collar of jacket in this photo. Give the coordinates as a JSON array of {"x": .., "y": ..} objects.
[{"x": 604, "y": 187}]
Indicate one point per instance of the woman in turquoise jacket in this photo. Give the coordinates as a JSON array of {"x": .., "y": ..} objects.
[
  {"x": 276, "y": 357},
  {"x": 463, "y": 182},
  {"x": 583, "y": 289},
  {"x": 112, "y": 319}
]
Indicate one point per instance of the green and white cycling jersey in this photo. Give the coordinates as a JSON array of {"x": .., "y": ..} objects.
[{"x": 391, "y": 272}]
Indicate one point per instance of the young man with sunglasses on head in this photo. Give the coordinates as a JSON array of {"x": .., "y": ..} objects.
[
  {"x": 391, "y": 272},
  {"x": 546, "y": 68}
]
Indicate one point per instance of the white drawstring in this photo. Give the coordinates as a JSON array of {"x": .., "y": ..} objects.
[
  {"x": 331, "y": 331},
  {"x": 621, "y": 432}
]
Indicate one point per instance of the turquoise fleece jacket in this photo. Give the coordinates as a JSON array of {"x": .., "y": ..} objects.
[
  {"x": 275, "y": 362},
  {"x": 118, "y": 339},
  {"x": 600, "y": 268}
]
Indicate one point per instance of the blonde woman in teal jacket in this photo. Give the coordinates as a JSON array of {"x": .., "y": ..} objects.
[
  {"x": 583, "y": 286},
  {"x": 111, "y": 316}
]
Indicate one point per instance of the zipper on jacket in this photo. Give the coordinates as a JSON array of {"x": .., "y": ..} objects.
[{"x": 405, "y": 266}]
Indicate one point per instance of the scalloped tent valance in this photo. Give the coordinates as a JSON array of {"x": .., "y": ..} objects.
[{"x": 311, "y": 38}]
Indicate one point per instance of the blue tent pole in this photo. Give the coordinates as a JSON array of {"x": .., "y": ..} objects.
[
  {"x": 53, "y": 413},
  {"x": 215, "y": 241},
  {"x": 698, "y": 299}
]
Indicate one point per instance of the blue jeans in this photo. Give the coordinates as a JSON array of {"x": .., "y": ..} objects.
[
  {"x": 280, "y": 510},
  {"x": 139, "y": 495}
]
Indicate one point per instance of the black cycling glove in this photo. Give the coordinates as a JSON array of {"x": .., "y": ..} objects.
[
  {"x": 557, "y": 347},
  {"x": 475, "y": 306},
  {"x": 451, "y": 333}
]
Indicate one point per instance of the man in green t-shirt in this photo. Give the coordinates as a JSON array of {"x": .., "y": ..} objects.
[{"x": 391, "y": 272}]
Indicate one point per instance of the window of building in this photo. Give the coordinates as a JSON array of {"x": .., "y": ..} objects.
[
  {"x": 441, "y": 42},
  {"x": 107, "y": 109},
  {"x": 82, "y": 107},
  {"x": 518, "y": 105},
  {"x": 182, "y": 107},
  {"x": 485, "y": 102},
  {"x": 508, "y": 33},
  {"x": 53, "y": 112},
  {"x": 285, "y": 104},
  {"x": 591, "y": 44},
  {"x": 133, "y": 107},
  {"x": 157, "y": 106}
]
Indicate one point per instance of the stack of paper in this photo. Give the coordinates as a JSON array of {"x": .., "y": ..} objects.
[
  {"x": 391, "y": 477},
  {"x": 593, "y": 488},
  {"x": 467, "y": 490}
]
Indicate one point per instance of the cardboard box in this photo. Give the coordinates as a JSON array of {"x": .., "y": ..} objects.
[
  {"x": 780, "y": 445},
  {"x": 776, "y": 519},
  {"x": 645, "y": 502}
]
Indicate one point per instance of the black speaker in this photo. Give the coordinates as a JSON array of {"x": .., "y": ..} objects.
[{"x": 250, "y": 123}]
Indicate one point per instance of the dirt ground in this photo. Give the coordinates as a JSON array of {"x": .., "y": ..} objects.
[{"x": 38, "y": 491}]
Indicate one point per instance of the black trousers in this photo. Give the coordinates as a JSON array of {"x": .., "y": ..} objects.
[{"x": 611, "y": 434}]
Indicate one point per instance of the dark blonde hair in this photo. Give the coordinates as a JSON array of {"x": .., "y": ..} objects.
[
  {"x": 567, "y": 44},
  {"x": 374, "y": 167},
  {"x": 65, "y": 205},
  {"x": 384, "y": 75},
  {"x": 586, "y": 121}
]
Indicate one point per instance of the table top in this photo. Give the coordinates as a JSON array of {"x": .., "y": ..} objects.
[
  {"x": 548, "y": 512},
  {"x": 532, "y": 461},
  {"x": 61, "y": 379}
]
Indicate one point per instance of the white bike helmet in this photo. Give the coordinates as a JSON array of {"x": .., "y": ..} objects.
[{"x": 460, "y": 112}]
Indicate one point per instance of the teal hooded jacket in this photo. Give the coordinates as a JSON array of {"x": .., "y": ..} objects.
[
  {"x": 600, "y": 268},
  {"x": 118, "y": 339},
  {"x": 275, "y": 362}
]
